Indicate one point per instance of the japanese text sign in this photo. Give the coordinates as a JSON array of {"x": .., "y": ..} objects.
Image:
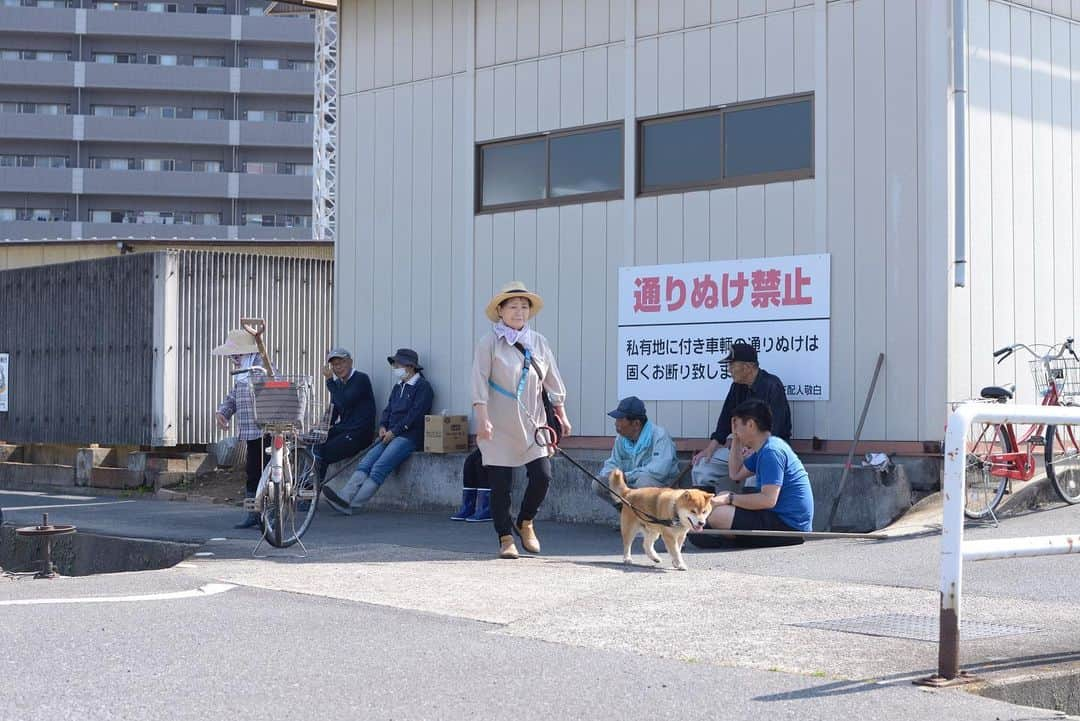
[{"x": 677, "y": 324}]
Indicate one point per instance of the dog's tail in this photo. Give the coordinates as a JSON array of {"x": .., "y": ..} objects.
[{"x": 617, "y": 481}]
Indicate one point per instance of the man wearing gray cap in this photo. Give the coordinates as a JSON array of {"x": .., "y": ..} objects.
[
  {"x": 352, "y": 425},
  {"x": 643, "y": 451}
]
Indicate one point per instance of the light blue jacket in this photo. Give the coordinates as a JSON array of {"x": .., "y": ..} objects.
[{"x": 656, "y": 460}]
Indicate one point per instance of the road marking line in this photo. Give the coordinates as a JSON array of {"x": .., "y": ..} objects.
[
  {"x": 210, "y": 589},
  {"x": 12, "y": 509},
  {"x": 60, "y": 496}
]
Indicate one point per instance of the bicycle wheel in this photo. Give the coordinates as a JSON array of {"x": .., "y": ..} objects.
[
  {"x": 1062, "y": 455},
  {"x": 298, "y": 496},
  {"x": 985, "y": 480}
]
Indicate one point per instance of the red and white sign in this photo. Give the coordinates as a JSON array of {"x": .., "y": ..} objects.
[{"x": 677, "y": 323}]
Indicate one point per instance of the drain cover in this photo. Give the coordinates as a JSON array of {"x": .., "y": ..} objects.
[{"x": 919, "y": 628}]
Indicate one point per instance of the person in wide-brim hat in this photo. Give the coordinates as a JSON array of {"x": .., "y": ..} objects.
[
  {"x": 514, "y": 368},
  {"x": 513, "y": 289},
  {"x": 237, "y": 342},
  {"x": 238, "y": 406}
]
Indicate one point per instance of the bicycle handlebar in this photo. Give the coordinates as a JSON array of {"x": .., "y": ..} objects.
[
  {"x": 1056, "y": 351},
  {"x": 245, "y": 370}
]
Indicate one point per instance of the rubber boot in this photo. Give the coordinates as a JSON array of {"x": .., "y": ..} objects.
[
  {"x": 483, "y": 506},
  {"x": 251, "y": 520},
  {"x": 468, "y": 505},
  {"x": 363, "y": 494}
]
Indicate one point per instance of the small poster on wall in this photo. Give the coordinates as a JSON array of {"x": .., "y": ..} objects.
[{"x": 3, "y": 382}]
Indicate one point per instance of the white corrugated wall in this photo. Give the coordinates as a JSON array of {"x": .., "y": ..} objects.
[
  {"x": 1024, "y": 170},
  {"x": 424, "y": 80}
]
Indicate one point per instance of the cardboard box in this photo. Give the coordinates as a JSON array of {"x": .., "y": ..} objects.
[{"x": 446, "y": 434}]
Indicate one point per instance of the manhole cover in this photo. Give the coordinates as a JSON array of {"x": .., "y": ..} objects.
[{"x": 919, "y": 628}]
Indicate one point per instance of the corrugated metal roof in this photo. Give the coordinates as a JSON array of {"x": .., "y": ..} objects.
[{"x": 317, "y": 4}]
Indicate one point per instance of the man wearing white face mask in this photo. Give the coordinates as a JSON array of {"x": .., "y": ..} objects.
[{"x": 401, "y": 431}]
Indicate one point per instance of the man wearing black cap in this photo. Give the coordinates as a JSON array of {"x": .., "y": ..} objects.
[
  {"x": 748, "y": 381},
  {"x": 352, "y": 425},
  {"x": 643, "y": 451}
]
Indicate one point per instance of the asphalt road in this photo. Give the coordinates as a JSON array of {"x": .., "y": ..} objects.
[{"x": 394, "y": 616}]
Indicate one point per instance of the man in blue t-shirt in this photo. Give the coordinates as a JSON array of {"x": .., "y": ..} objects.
[{"x": 785, "y": 501}]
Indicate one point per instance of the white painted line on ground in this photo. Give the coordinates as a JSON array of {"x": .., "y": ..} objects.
[
  {"x": 210, "y": 589},
  {"x": 186, "y": 565},
  {"x": 63, "y": 505},
  {"x": 23, "y": 493},
  {"x": 219, "y": 539},
  {"x": 58, "y": 496},
  {"x": 203, "y": 554}
]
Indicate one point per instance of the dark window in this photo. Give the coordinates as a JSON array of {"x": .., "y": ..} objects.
[
  {"x": 744, "y": 144},
  {"x": 684, "y": 151},
  {"x": 768, "y": 139},
  {"x": 570, "y": 166},
  {"x": 515, "y": 172},
  {"x": 584, "y": 163}
]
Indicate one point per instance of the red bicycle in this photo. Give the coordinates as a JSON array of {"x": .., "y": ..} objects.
[{"x": 995, "y": 458}]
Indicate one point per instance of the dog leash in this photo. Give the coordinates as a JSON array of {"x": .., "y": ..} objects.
[{"x": 546, "y": 437}]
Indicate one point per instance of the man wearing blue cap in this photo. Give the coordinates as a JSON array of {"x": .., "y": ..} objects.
[{"x": 643, "y": 451}]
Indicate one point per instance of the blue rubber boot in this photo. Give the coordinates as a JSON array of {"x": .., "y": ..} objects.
[
  {"x": 468, "y": 505},
  {"x": 483, "y": 506}
]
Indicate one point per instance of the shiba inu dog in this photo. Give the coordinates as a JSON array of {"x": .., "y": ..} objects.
[{"x": 689, "y": 508}]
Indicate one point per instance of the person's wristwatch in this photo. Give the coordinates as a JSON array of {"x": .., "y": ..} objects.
[{"x": 731, "y": 499}]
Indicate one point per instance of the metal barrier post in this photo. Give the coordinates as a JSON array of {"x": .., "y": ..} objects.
[{"x": 953, "y": 549}]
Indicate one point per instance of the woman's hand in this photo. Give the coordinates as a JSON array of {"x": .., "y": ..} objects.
[
  {"x": 484, "y": 430},
  {"x": 560, "y": 413},
  {"x": 222, "y": 422}
]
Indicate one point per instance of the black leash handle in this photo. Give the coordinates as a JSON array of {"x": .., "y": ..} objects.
[{"x": 546, "y": 437}]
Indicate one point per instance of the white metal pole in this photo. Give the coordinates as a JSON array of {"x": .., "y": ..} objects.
[{"x": 952, "y": 540}]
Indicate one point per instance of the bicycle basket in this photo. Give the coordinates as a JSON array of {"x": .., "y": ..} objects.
[
  {"x": 280, "y": 401},
  {"x": 1062, "y": 374}
]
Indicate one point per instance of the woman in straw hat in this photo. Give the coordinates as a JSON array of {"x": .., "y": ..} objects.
[
  {"x": 243, "y": 353},
  {"x": 512, "y": 367}
]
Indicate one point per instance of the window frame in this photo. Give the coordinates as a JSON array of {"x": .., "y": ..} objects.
[
  {"x": 548, "y": 201},
  {"x": 643, "y": 191}
]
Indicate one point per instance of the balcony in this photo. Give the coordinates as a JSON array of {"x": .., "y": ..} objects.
[
  {"x": 277, "y": 82},
  {"x": 161, "y": 25},
  {"x": 276, "y": 135},
  {"x": 36, "y": 180},
  {"x": 36, "y": 73},
  {"x": 165, "y": 78},
  {"x": 59, "y": 21},
  {"x": 33, "y": 230},
  {"x": 153, "y": 230},
  {"x": 38, "y": 127},
  {"x": 155, "y": 183},
  {"x": 258, "y": 232},
  {"x": 156, "y": 130},
  {"x": 280, "y": 187},
  {"x": 258, "y": 28}
]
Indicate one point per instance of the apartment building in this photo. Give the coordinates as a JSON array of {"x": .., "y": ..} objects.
[{"x": 135, "y": 119}]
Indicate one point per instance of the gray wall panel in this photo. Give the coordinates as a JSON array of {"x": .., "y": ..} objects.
[{"x": 81, "y": 351}]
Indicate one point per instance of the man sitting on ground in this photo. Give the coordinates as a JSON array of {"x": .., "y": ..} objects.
[
  {"x": 643, "y": 451},
  {"x": 749, "y": 380},
  {"x": 785, "y": 501}
]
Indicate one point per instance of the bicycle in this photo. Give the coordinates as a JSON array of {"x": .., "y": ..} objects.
[
  {"x": 994, "y": 458},
  {"x": 288, "y": 490}
]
